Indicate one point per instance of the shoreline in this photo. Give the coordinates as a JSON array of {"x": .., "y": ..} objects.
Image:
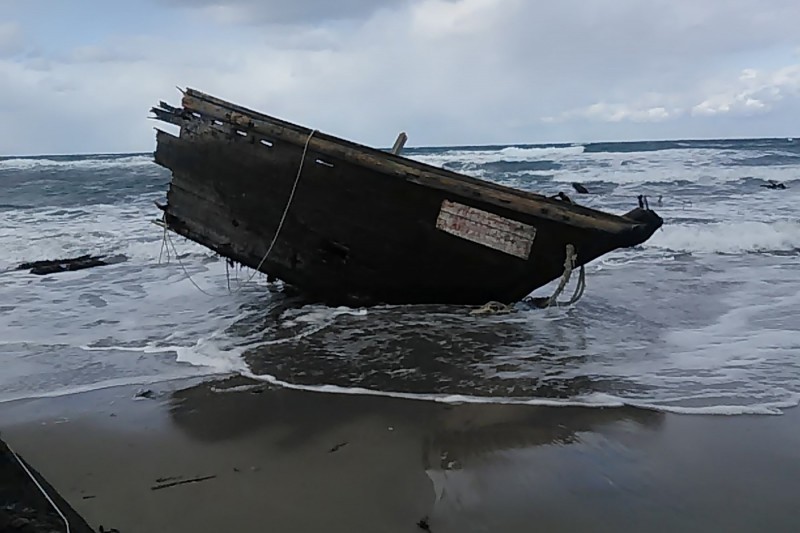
[
  {"x": 233, "y": 454},
  {"x": 593, "y": 401}
]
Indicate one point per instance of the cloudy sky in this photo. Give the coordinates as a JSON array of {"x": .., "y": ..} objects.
[{"x": 79, "y": 76}]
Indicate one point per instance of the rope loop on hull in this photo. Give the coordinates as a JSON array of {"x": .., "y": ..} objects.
[
  {"x": 580, "y": 288},
  {"x": 493, "y": 308}
]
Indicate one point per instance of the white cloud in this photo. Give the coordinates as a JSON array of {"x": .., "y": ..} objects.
[
  {"x": 751, "y": 92},
  {"x": 442, "y": 19},
  {"x": 447, "y": 71},
  {"x": 754, "y": 92},
  {"x": 606, "y": 112}
]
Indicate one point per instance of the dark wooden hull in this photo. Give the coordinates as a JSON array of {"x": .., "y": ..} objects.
[{"x": 365, "y": 226}]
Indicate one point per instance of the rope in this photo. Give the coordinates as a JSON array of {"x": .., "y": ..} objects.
[
  {"x": 569, "y": 264},
  {"x": 286, "y": 210},
  {"x": 41, "y": 489},
  {"x": 493, "y": 308},
  {"x": 580, "y": 288},
  {"x": 189, "y": 276},
  {"x": 271, "y": 244},
  {"x": 164, "y": 241}
]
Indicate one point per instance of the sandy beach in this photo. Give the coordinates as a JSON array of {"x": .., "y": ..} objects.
[{"x": 233, "y": 455}]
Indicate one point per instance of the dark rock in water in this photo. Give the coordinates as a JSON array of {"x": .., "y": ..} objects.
[
  {"x": 52, "y": 266},
  {"x": 774, "y": 185},
  {"x": 580, "y": 188},
  {"x": 23, "y": 507},
  {"x": 51, "y": 262}
]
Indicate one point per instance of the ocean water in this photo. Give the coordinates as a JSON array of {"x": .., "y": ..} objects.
[{"x": 703, "y": 318}]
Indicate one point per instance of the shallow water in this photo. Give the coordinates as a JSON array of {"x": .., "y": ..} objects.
[{"x": 701, "y": 318}]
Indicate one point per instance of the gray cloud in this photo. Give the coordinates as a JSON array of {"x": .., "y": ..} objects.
[
  {"x": 11, "y": 40},
  {"x": 447, "y": 71},
  {"x": 614, "y": 45},
  {"x": 284, "y": 11}
]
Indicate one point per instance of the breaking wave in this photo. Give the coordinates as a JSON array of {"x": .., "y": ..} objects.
[
  {"x": 47, "y": 233},
  {"x": 93, "y": 162},
  {"x": 509, "y": 154},
  {"x": 688, "y": 353},
  {"x": 729, "y": 238},
  {"x": 633, "y": 164}
]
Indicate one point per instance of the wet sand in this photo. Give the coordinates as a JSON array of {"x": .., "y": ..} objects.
[{"x": 235, "y": 456}]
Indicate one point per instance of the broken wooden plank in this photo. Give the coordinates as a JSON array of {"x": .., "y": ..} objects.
[
  {"x": 399, "y": 143},
  {"x": 182, "y": 482},
  {"x": 52, "y": 266}
]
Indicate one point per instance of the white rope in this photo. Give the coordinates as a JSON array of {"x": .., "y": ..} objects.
[
  {"x": 271, "y": 244},
  {"x": 580, "y": 288},
  {"x": 41, "y": 489},
  {"x": 167, "y": 243},
  {"x": 569, "y": 265},
  {"x": 286, "y": 210},
  {"x": 493, "y": 308},
  {"x": 164, "y": 240},
  {"x": 185, "y": 271}
]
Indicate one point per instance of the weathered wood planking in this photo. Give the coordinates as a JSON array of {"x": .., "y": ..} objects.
[
  {"x": 390, "y": 164},
  {"x": 487, "y": 229}
]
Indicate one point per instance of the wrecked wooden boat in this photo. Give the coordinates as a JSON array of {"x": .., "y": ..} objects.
[{"x": 354, "y": 225}]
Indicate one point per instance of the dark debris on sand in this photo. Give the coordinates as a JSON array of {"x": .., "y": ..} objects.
[{"x": 424, "y": 525}]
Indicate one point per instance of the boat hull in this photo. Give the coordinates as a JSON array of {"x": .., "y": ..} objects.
[{"x": 359, "y": 227}]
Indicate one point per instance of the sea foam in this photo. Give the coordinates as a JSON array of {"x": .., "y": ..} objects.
[
  {"x": 729, "y": 238},
  {"x": 76, "y": 163}
]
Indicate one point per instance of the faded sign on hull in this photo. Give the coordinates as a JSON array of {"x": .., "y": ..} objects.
[{"x": 488, "y": 229}]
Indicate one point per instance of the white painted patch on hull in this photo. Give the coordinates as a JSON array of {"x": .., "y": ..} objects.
[{"x": 487, "y": 229}]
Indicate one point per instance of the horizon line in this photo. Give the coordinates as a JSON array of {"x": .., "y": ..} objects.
[{"x": 562, "y": 144}]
